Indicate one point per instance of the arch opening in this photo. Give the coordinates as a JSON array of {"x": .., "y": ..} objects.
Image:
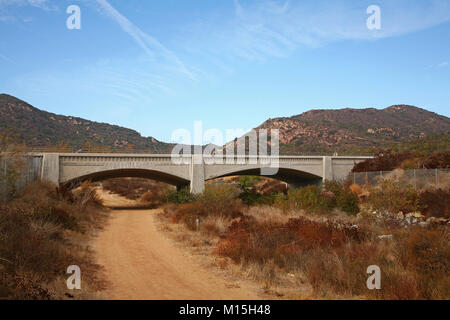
[
  {"x": 127, "y": 173},
  {"x": 294, "y": 178}
]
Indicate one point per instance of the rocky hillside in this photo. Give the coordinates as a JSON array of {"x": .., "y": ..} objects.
[
  {"x": 346, "y": 131},
  {"x": 355, "y": 130},
  {"x": 40, "y": 129}
]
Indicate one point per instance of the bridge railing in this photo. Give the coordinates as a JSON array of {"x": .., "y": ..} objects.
[{"x": 132, "y": 150}]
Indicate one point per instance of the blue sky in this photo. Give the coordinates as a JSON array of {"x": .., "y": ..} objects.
[{"x": 156, "y": 66}]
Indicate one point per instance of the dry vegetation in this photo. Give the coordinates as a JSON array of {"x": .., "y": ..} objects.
[
  {"x": 145, "y": 191},
  {"x": 42, "y": 232},
  {"x": 387, "y": 160},
  {"x": 134, "y": 188},
  {"x": 311, "y": 244}
]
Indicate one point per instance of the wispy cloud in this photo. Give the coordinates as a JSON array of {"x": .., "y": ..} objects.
[
  {"x": 149, "y": 44},
  {"x": 128, "y": 82},
  {"x": 42, "y": 4},
  {"x": 444, "y": 64},
  {"x": 5, "y": 58},
  {"x": 6, "y": 18},
  {"x": 267, "y": 28}
]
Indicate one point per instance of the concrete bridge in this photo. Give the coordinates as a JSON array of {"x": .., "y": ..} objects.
[{"x": 72, "y": 168}]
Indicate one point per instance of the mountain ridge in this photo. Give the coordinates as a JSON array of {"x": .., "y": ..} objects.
[
  {"x": 344, "y": 130},
  {"x": 39, "y": 129},
  {"x": 317, "y": 131}
]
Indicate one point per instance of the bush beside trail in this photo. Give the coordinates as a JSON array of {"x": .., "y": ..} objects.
[
  {"x": 43, "y": 232},
  {"x": 314, "y": 236}
]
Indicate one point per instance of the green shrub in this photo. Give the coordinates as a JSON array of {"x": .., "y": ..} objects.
[
  {"x": 219, "y": 199},
  {"x": 247, "y": 182},
  {"x": 179, "y": 196},
  {"x": 219, "y": 192},
  {"x": 253, "y": 198},
  {"x": 310, "y": 198},
  {"x": 346, "y": 200},
  {"x": 333, "y": 186},
  {"x": 393, "y": 196},
  {"x": 282, "y": 202},
  {"x": 216, "y": 200}
]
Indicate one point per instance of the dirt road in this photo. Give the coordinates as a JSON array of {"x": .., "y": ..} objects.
[{"x": 141, "y": 263}]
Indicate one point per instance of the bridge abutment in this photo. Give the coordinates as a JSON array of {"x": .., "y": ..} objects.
[{"x": 50, "y": 168}]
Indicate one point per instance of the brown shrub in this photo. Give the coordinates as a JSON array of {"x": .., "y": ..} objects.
[
  {"x": 35, "y": 241},
  {"x": 384, "y": 160},
  {"x": 155, "y": 195},
  {"x": 334, "y": 256},
  {"x": 135, "y": 188},
  {"x": 356, "y": 189},
  {"x": 249, "y": 241},
  {"x": 436, "y": 203},
  {"x": 388, "y": 160},
  {"x": 427, "y": 255},
  {"x": 187, "y": 213},
  {"x": 86, "y": 195}
]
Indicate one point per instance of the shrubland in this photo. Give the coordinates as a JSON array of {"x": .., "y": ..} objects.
[
  {"x": 42, "y": 232},
  {"x": 313, "y": 242},
  {"x": 388, "y": 160}
]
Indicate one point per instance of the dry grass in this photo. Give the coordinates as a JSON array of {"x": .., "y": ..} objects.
[
  {"x": 142, "y": 189},
  {"x": 41, "y": 235},
  {"x": 296, "y": 254}
]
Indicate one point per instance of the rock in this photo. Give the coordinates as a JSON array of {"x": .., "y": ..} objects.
[
  {"x": 417, "y": 215},
  {"x": 237, "y": 220},
  {"x": 441, "y": 221},
  {"x": 385, "y": 237}
]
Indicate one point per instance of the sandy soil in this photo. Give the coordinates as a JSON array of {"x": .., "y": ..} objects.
[
  {"x": 114, "y": 200},
  {"x": 141, "y": 263}
]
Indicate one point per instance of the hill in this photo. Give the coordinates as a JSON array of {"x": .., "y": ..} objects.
[
  {"x": 356, "y": 130},
  {"x": 44, "y": 130},
  {"x": 345, "y": 131}
]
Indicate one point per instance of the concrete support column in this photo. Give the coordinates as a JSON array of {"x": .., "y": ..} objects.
[
  {"x": 197, "y": 174},
  {"x": 327, "y": 169},
  {"x": 50, "y": 168}
]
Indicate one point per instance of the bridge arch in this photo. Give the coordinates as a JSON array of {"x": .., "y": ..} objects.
[
  {"x": 291, "y": 176},
  {"x": 128, "y": 173}
]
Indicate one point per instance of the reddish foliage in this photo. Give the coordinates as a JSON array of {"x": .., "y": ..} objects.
[
  {"x": 248, "y": 240},
  {"x": 437, "y": 160},
  {"x": 388, "y": 160},
  {"x": 385, "y": 160},
  {"x": 436, "y": 203}
]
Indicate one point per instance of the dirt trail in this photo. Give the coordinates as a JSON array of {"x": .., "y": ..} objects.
[{"x": 141, "y": 263}]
